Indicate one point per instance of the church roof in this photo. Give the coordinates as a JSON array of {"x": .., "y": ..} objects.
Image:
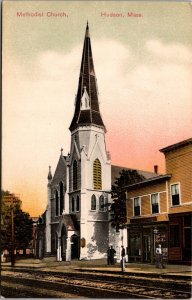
[
  {"x": 90, "y": 114},
  {"x": 115, "y": 170}
]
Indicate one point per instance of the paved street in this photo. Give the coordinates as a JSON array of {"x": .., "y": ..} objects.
[{"x": 93, "y": 280}]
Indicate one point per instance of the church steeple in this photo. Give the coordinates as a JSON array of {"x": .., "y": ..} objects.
[{"x": 87, "y": 104}]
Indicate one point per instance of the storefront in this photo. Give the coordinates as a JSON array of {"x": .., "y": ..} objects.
[
  {"x": 180, "y": 232},
  {"x": 144, "y": 236}
]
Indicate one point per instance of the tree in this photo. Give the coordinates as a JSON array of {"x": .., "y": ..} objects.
[
  {"x": 5, "y": 226},
  {"x": 118, "y": 194},
  {"x": 23, "y": 226},
  {"x": 5, "y": 193}
]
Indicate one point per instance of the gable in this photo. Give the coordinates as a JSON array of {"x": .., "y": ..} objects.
[
  {"x": 75, "y": 155},
  {"x": 60, "y": 172},
  {"x": 96, "y": 152}
]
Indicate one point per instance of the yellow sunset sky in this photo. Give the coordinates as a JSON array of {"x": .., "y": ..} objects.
[{"x": 143, "y": 69}]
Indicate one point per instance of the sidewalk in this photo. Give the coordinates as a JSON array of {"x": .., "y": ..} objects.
[
  {"x": 100, "y": 266},
  {"x": 174, "y": 271}
]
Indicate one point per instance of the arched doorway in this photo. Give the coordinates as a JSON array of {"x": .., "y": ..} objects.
[
  {"x": 63, "y": 242},
  {"x": 75, "y": 251}
]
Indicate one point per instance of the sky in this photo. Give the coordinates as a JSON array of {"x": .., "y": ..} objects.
[{"x": 143, "y": 69}]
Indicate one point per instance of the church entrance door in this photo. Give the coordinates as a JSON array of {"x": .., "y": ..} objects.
[
  {"x": 63, "y": 243},
  {"x": 75, "y": 245}
]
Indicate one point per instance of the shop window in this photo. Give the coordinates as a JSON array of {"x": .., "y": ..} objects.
[
  {"x": 77, "y": 204},
  {"x": 137, "y": 206},
  {"x": 56, "y": 203},
  {"x": 187, "y": 237},
  {"x": 135, "y": 245},
  {"x": 75, "y": 175},
  {"x": 97, "y": 176},
  {"x": 175, "y": 195},
  {"x": 93, "y": 202},
  {"x": 101, "y": 203},
  {"x": 73, "y": 204},
  {"x": 188, "y": 220},
  {"x": 174, "y": 236},
  {"x": 154, "y": 203}
]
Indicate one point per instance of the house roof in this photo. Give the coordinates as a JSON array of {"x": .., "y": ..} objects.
[
  {"x": 88, "y": 82},
  {"x": 148, "y": 181},
  {"x": 176, "y": 146},
  {"x": 115, "y": 170}
]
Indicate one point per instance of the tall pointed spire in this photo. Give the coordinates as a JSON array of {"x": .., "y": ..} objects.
[{"x": 87, "y": 113}]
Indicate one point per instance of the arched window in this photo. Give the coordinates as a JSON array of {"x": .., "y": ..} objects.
[
  {"x": 56, "y": 203},
  {"x": 93, "y": 202},
  {"x": 73, "y": 204},
  {"x": 75, "y": 175},
  {"x": 97, "y": 176},
  {"x": 61, "y": 197},
  {"x": 77, "y": 203},
  {"x": 101, "y": 203}
]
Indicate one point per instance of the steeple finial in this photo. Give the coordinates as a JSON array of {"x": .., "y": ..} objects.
[
  {"x": 49, "y": 177},
  {"x": 61, "y": 151},
  {"x": 87, "y": 30}
]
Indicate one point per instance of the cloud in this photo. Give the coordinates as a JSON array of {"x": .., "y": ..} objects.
[{"x": 171, "y": 52}]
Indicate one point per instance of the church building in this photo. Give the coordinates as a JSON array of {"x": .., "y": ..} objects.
[{"x": 77, "y": 219}]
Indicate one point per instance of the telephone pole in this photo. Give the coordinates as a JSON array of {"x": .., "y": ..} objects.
[{"x": 12, "y": 234}]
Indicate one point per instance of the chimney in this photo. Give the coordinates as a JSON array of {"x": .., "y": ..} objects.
[{"x": 156, "y": 169}]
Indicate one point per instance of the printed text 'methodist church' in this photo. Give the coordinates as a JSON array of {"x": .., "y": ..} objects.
[{"x": 76, "y": 222}]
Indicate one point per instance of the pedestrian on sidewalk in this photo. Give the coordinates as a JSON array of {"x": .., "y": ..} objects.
[
  {"x": 112, "y": 254},
  {"x": 108, "y": 256},
  {"x": 122, "y": 259},
  {"x": 159, "y": 257}
]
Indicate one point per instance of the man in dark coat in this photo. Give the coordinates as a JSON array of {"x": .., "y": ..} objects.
[
  {"x": 108, "y": 256},
  {"x": 122, "y": 258},
  {"x": 112, "y": 254},
  {"x": 122, "y": 252}
]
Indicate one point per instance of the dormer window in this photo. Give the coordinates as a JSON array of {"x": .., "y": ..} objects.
[{"x": 85, "y": 103}]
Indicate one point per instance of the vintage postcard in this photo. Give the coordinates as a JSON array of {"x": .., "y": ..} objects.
[{"x": 96, "y": 149}]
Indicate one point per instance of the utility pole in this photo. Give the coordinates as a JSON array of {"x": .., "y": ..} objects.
[{"x": 12, "y": 234}]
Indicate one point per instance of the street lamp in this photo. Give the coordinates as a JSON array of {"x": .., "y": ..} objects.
[{"x": 155, "y": 231}]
